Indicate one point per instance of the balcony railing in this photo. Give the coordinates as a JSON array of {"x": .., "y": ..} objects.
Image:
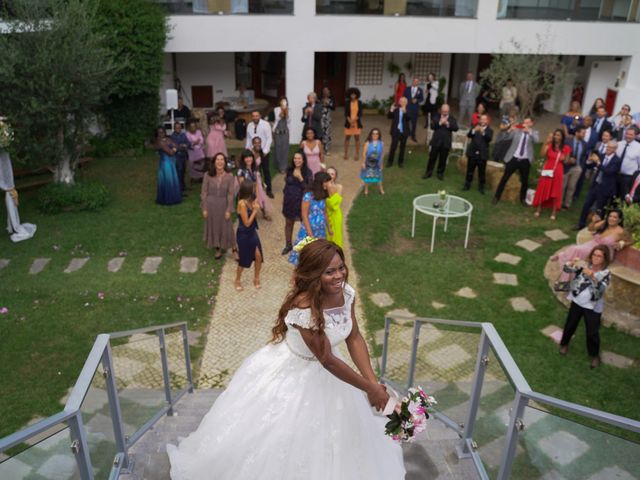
[
  {"x": 584, "y": 10},
  {"x": 128, "y": 382},
  {"x": 425, "y": 8},
  {"x": 228, "y": 7},
  {"x": 507, "y": 429}
]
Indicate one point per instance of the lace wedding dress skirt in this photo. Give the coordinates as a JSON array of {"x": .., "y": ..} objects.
[{"x": 284, "y": 417}]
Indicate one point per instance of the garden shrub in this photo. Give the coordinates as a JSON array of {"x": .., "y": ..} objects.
[{"x": 81, "y": 196}]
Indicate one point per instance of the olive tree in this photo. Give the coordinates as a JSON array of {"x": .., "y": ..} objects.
[{"x": 55, "y": 69}]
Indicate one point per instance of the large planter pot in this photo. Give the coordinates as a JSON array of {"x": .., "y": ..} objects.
[
  {"x": 370, "y": 111},
  {"x": 629, "y": 257}
]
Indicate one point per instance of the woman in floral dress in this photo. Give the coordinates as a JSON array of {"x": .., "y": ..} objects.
[{"x": 372, "y": 163}]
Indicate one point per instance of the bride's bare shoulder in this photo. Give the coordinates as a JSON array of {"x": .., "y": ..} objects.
[{"x": 302, "y": 300}]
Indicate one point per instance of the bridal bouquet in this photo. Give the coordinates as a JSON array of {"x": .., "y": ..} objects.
[{"x": 410, "y": 416}]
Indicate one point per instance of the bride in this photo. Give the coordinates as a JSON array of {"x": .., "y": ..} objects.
[{"x": 294, "y": 409}]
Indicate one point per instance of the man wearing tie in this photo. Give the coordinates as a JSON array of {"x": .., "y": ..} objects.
[
  {"x": 400, "y": 128},
  {"x": 629, "y": 153},
  {"x": 415, "y": 97},
  {"x": 261, "y": 128},
  {"x": 573, "y": 166},
  {"x": 478, "y": 152},
  {"x": 600, "y": 122},
  {"x": 520, "y": 155},
  {"x": 603, "y": 187},
  {"x": 443, "y": 126},
  {"x": 468, "y": 93}
]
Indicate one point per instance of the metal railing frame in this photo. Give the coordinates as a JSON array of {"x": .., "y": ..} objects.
[
  {"x": 490, "y": 341},
  {"x": 102, "y": 355}
]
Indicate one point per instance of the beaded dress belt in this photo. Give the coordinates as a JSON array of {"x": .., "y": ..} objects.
[{"x": 303, "y": 357}]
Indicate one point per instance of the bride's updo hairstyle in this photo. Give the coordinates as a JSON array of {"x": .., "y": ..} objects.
[{"x": 314, "y": 259}]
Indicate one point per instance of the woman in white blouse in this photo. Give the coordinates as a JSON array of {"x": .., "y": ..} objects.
[{"x": 281, "y": 127}]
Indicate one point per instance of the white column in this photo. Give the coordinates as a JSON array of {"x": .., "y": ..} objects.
[
  {"x": 630, "y": 91},
  {"x": 300, "y": 67}
]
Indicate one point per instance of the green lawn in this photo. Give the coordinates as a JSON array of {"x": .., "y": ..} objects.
[
  {"x": 389, "y": 260},
  {"x": 54, "y": 317}
]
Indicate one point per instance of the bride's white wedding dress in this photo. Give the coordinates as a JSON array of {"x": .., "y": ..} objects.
[{"x": 285, "y": 417}]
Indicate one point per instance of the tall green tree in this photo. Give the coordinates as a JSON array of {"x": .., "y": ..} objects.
[
  {"x": 136, "y": 33},
  {"x": 55, "y": 70}
]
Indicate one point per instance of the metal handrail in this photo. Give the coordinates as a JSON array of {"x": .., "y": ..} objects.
[
  {"x": 490, "y": 339},
  {"x": 71, "y": 415}
]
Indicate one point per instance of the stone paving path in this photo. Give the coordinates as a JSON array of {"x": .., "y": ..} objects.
[{"x": 241, "y": 321}]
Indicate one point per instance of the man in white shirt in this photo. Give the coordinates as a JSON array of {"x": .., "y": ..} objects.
[
  {"x": 629, "y": 153},
  {"x": 261, "y": 128}
]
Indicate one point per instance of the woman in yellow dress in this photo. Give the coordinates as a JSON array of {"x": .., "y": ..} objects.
[{"x": 334, "y": 213}]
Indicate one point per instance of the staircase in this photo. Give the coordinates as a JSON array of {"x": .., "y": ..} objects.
[{"x": 432, "y": 457}]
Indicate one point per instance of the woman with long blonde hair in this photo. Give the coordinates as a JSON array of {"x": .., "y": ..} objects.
[{"x": 295, "y": 408}]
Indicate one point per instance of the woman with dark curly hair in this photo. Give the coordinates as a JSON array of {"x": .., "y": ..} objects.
[
  {"x": 353, "y": 121},
  {"x": 295, "y": 408}
]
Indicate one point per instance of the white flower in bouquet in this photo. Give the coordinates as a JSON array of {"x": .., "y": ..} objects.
[{"x": 410, "y": 416}]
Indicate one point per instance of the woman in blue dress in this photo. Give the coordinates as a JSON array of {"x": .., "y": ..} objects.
[
  {"x": 247, "y": 234},
  {"x": 371, "y": 168},
  {"x": 169, "y": 192},
  {"x": 314, "y": 212}
]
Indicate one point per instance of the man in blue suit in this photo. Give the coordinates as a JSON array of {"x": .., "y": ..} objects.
[
  {"x": 603, "y": 187},
  {"x": 415, "y": 96}
]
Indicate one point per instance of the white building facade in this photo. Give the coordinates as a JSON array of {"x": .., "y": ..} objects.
[{"x": 294, "y": 47}]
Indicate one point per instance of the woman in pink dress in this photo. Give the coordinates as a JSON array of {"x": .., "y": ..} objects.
[
  {"x": 312, "y": 148},
  {"x": 196, "y": 151},
  {"x": 549, "y": 189},
  {"x": 608, "y": 232},
  {"x": 215, "y": 138},
  {"x": 251, "y": 170}
]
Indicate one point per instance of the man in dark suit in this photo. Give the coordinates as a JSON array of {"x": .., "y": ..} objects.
[
  {"x": 603, "y": 187},
  {"x": 400, "y": 128},
  {"x": 519, "y": 157},
  {"x": 312, "y": 115},
  {"x": 478, "y": 152},
  {"x": 443, "y": 125},
  {"x": 415, "y": 96},
  {"x": 574, "y": 165},
  {"x": 600, "y": 122}
]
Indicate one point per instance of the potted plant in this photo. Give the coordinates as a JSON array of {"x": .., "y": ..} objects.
[
  {"x": 393, "y": 68},
  {"x": 442, "y": 82},
  {"x": 371, "y": 107},
  {"x": 630, "y": 256}
]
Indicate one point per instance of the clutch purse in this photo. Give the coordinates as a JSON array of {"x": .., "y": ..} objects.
[
  {"x": 547, "y": 173},
  {"x": 394, "y": 399}
]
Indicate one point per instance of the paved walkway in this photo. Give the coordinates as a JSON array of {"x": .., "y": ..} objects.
[{"x": 241, "y": 321}]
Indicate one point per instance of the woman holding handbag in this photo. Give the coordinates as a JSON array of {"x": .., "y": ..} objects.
[{"x": 549, "y": 189}]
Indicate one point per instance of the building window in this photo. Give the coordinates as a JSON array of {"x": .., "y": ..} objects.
[
  {"x": 369, "y": 68},
  {"x": 244, "y": 71},
  {"x": 202, "y": 96},
  {"x": 584, "y": 10},
  {"x": 426, "y": 63}
]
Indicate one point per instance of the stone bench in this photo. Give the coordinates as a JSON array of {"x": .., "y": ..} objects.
[{"x": 495, "y": 171}]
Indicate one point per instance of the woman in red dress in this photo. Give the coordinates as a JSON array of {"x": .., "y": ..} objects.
[
  {"x": 549, "y": 190},
  {"x": 398, "y": 89}
]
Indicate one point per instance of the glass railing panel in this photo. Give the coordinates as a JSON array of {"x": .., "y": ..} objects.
[
  {"x": 97, "y": 420},
  {"x": 176, "y": 361},
  {"x": 399, "y": 352},
  {"x": 586, "y": 10},
  {"x": 551, "y": 446},
  {"x": 424, "y": 8},
  {"x": 138, "y": 374},
  {"x": 50, "y": 458},
  {"x": 227, "y": 7},
  {"x": 492, "y": 420},
  {"x": 445, "y": 366}
]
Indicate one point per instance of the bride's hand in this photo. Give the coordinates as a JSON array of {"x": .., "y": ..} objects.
[{"x": 378, "y": 396}]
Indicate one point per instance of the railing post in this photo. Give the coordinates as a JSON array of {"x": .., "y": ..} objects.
[
  {"x": 165, "y": 371},
  {"x": 515, "y": 426},
  {"x": 414, "y": 353},
  {"x": 385, "y": 346},
  {"x": 80, "y": 446},
  {"x": 114, "y": 405},
  {"x": 187, "y": 357},
  {"x": 482, "y": 360}
]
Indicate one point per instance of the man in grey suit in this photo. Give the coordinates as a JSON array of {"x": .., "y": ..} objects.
[
  {"x": 519, "y": 157},
  {"x": 468, "y": 93}
]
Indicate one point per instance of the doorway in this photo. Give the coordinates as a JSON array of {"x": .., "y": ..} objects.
[{"x": 331, "y": 71}]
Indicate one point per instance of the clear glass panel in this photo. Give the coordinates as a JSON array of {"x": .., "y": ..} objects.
[
  {"x": 138, "y": 373},
  {"x": 552, "y": 447},
  {"x": 399, "y": 352},
  {"x": 96, "y": 416},
  {"x": 274, "y": 7},
  {"x": 445, "y": 367},
  {"x": 492, "y": 421},
  {"x": 427, "y": 8},
  {"x": 584, "y": 10},
  {"x": 176, "y": 361},
  {"x": 51, "y": 458}
]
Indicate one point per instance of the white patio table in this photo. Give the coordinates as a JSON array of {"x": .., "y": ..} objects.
[{"x": 452, "y": 207}]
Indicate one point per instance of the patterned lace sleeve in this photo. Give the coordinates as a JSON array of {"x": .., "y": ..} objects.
[
  {"x": 350, "y": 296},
  {"x": 299, "y": 316}
]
